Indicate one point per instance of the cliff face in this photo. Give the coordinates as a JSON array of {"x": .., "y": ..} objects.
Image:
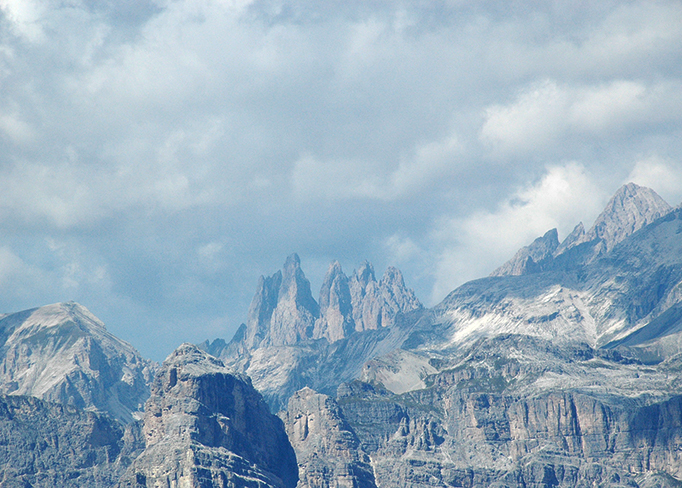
[
  {"x": 206, "y": 427},
  {"x": 327, "y": 448},
  {"x": 553, "y": 416},
  {"x": 45, "y": 444}
]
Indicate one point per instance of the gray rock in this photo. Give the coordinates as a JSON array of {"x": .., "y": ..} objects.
[
  {"x": 43, "y": 445},
  {"x": 283, "y": 310},
  {"x": 207, "y": 427},
  {"x": 63, "y": 353},
  {"x": 376, "y": 304},
  {"x": 336, "y": 310},
  {"x": 327, "y": 449}
]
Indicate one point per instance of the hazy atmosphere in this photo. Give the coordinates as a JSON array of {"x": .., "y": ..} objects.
[{"x": 156, "y": 157}]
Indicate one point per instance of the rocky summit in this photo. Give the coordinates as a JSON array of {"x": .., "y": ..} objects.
[
  {"x": 63, "y": 353},
  {"x": 562, "y": 369},
  {"x": 207, "y": 427}
]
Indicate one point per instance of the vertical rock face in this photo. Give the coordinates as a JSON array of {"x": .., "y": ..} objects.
[
  {"x": 336, "y": 310},
  {"x": 205, "y": 427},
  {"x": 43, "y": 445},
  {"x": 327, "y": 448},
  {"x": 376, "y": 303},
  {"x": 63, "y": 353},
  {"x": 283, "y": 310}
]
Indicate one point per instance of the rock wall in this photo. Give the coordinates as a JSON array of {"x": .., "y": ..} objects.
[{"x": 205, "y": 427}]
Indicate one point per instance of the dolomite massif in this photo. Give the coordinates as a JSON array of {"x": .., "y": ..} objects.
[{"x": 562, "y": 368}]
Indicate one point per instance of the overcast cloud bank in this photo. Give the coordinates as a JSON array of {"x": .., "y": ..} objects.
[{"x": 156, "y": 157}]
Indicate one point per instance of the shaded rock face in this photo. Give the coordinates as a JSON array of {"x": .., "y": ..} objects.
[
  {"x": 205, "y": 427},
  {"x": 63, "y": 353},
  {"x": 46, "y": 444},
  {"x": 327, "y": 449},
  {"x": 283, "y": 311}
]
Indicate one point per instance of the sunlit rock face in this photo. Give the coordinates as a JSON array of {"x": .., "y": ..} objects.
[
  {"x": 63, "y": 353},
  {"x": 327, "y": 448},
  {"x": 207, "y": 427},
  {"x": 283, "y": 311}
]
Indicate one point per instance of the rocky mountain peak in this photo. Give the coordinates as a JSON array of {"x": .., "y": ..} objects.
[
  {"x": 63, "y": 353},
  {"x": 283, "y": 310},
  {"x": 630, "y": 209},
  {"x": 336, "y": 310},
  {"x": 364, "y": 274},
  {"x": 209, "y": 427},
  {"x": 376, "y": 303}
]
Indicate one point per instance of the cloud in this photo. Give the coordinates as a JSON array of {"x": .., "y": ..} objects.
[
  {"x": 548, "y": 116},
  {"x": 664, "y": 175},
  {"x": 420, "y": 170},
  {"x": 177, "y": 149}
]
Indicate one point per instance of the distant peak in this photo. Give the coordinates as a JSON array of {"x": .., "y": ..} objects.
[
  {"x": 365, "y": 273},
  {"x": 393, "y": 275},
  {"x": 631, "y": 208},
  {"x": 292, "y": 261}
]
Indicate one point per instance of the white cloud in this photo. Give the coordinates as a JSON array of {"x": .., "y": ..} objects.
[
  {"x": 547, "y": 116},
  {"x": 25, "y": 16},
  {"x": 424, "y": 167}
]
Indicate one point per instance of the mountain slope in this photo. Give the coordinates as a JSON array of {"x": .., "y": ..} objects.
[{"x": 63, "y": 353}]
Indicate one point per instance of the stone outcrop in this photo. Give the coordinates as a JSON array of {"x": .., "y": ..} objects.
[
  {"x": 327, "y": 449},
  {"x": 43, "y": 445},
  {"x": 63, "y": 353},
  {"x": 206, "y": 427},
  {"x": 283, "y": 311}
]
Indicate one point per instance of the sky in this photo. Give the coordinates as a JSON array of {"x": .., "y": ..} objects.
[{"x": 158, "y": 156}]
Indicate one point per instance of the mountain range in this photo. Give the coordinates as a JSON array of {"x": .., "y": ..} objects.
[{"x": 560, "y": 369}]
